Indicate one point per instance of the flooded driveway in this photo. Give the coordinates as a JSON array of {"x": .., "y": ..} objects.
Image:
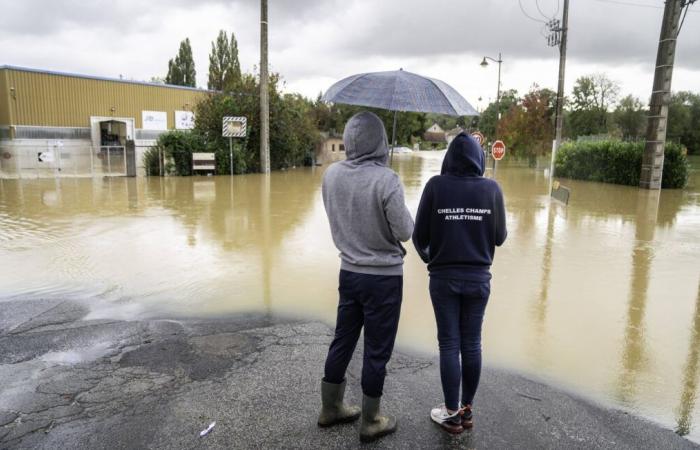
[{"x": 601, "y": 297}]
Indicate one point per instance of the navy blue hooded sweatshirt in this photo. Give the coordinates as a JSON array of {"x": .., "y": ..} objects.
[{"x": 461, "y": 216}]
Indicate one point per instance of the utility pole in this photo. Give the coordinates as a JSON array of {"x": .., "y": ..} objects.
[
  {"x": 559, "y": 121},
  {"x": 562, "y": 72},
  {"x": 264, "y": 94},
  {"x": 653, "y": 159}
]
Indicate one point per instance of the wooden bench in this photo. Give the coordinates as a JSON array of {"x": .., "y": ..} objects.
[{"x": 205, "y": 162}]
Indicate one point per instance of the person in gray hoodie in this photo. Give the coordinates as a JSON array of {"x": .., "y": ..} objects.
[{"x": 364, "y": 201}]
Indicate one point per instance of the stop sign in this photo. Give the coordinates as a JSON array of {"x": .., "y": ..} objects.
[{"x": 498, "y": 150}]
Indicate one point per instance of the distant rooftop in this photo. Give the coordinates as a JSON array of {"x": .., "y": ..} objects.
[{"x": 92, "y": 77}]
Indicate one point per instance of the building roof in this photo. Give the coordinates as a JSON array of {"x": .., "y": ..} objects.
[
  {"x": 435, "y": 128},
  {"x": 92, "y": 77},
  {"x": 330, "y": 135},
  {"x": 454, "y": 131}
]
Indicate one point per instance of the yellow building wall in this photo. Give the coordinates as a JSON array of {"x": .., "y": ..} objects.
[
  {"x": 46, "y": 99},
  {"x": 4, "y": 99}
]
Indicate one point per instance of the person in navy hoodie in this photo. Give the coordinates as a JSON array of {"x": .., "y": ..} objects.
[{"x": 461, "y": 219}]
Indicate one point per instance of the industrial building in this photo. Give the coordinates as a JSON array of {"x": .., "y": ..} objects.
[{"x": 61, "y": 124}]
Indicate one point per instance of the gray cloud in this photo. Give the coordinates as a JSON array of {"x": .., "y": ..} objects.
[
  {"x": 599, "y": 31},
  {"x": 313, "y": 40}
]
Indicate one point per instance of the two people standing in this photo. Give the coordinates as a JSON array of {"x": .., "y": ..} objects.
[{"x": 460, "y": 219}]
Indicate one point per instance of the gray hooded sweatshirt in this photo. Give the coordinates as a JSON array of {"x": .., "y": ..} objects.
[{"x": 365, "y": 203}]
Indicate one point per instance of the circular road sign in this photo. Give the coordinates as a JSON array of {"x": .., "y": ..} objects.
[
  {"x": 498, "y": 150},
  {"x": 479, "y": 137}
]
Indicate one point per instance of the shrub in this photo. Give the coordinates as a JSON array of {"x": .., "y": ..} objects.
[
  {"x": 178, "y": 145},
  {"x": 293, "y": 133},
  {"x": 618, "y": 163},
  {"x": 151, "y": 162}
]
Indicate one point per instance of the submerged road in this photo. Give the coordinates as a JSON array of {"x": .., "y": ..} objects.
[{"x": 71, "y": 382}]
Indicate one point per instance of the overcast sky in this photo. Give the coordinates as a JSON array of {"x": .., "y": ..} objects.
[{"x": 316, "y": 42}]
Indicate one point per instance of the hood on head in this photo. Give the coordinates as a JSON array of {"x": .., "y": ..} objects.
[
  {"x": 365, "y": 139},
  {"x": 464, "y": 157}
]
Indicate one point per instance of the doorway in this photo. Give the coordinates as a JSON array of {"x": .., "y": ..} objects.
[{"x": 110, "y": 136}]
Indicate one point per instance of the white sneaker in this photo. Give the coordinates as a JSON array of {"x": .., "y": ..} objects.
[{"x": 451, "y": 422}]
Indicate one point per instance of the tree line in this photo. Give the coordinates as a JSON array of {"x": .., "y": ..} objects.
[{"x": 593, "y": 110}]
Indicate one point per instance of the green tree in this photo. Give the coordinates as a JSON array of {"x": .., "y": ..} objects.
[
  {"x": 332, "y": 118},
  {"x": 293, "y": 134},
  {"x": 488, "y": 120},
  {"x": 630, "y": 117},
  {"x": 528, "y": 126},
  {"x": 224, "y": 66},
  {"x": 181, "y": 70},
  {"x": 684, "y": 120},
  {"x": 592, "y": 96}
]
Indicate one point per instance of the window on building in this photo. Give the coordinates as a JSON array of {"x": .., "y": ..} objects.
[
  {"x": 332, "y": 147},
  {"x": 342, "y": 147}
]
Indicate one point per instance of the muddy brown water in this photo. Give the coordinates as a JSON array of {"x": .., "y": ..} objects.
[{"x": 601, "y": 297}]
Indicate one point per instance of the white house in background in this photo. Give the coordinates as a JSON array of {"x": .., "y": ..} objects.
[{"x": 435, "y": 129}]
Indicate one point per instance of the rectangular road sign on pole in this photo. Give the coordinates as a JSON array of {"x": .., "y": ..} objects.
[{"x": 234, "y": 127}]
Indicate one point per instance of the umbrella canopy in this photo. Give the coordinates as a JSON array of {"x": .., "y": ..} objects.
[{"x": 399, "y": 90}]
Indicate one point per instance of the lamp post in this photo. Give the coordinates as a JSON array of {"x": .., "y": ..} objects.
[{"x": 485, "y": 63}]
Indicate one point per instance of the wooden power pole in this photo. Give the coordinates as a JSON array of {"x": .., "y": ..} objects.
[
  {"x": 653, "y": 159},
  {"x": 264, "y": 94},
  {"x": 562, "y": 71},
  {"x": 559, "y": 36}
]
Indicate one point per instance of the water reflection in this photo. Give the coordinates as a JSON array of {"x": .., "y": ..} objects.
[
  {"x": 633, "y": 355},
  {"x": 540, "y": 308},
  {"x": 266, "y": 249},
  {"x": 690, "y": 375}
]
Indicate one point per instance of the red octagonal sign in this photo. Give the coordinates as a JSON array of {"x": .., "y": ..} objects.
[{"x": 498, "y": 150}]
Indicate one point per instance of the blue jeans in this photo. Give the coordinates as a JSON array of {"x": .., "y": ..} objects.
[
  {"x": 372, "y": 301},
  {"x": 459, "y": 312}
]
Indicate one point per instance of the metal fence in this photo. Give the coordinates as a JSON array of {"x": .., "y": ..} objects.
[{"x": 61, "y": 160}]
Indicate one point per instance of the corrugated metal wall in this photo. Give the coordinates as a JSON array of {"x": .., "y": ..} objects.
[
  {"x": 46, "y": 99},
  {"x": 4, "y": 99}
]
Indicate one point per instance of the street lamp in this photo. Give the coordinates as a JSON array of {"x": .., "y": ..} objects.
[{"x": 485, "y": 63}]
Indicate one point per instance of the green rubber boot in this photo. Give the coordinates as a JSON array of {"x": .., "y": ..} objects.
[
  {"x": 333, "y": 410},
  {"x": 373, "y": 425}
]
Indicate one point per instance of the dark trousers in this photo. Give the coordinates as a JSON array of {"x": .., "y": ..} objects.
[
  {"x": 372, "y": 301},
  {"x": 459, "y": 311}
]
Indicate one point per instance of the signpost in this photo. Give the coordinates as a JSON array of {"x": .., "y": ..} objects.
[
  {"x": 234, "y": 127},
  {"x": 498, "y": 151},
  {"x": 478, "y": 137}
]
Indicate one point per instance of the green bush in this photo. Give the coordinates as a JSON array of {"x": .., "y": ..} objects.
[
  {"x": 151, "y": 162},
  {"x": 293, "y": 134},
  {"x": 178, "y": 145},
  {"x": 618, "y": 163}
]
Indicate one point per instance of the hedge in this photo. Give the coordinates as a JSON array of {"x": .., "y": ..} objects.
[{"x": 618, "y": 163}]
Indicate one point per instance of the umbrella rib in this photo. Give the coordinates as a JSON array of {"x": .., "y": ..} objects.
[{"x": 443, "y": 95}]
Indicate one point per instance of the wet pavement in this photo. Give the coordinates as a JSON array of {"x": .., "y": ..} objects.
[{"x": 70, "y": 381}]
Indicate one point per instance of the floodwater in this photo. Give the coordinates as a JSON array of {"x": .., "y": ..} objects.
[{"x": 601, "y": 296}]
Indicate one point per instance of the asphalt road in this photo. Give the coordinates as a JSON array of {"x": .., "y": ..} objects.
[{"x": 68, "y": 382}]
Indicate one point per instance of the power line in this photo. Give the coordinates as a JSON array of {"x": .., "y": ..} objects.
[
  {"x": 537, "y": 4},
  {"x": 639, "y": 5},
  {"x": 685, "y": 13},
  {"x": 520, "y": 3}
]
